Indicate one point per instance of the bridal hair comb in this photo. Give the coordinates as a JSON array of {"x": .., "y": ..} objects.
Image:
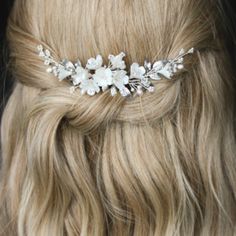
[{"x": 96, "y": 77}]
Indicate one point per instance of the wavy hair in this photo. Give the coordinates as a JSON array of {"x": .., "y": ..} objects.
[{"x": 160, "y": 164}]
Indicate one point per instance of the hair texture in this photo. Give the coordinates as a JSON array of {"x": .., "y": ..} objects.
[{"x": 162, "y": 164}]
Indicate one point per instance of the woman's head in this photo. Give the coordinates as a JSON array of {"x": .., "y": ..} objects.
[
  {"x": 147, "y": 30},
  {"x": 160, "y": 164}
]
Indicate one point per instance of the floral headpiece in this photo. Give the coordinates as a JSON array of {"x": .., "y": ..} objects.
[{"x": 96, "y": 77}]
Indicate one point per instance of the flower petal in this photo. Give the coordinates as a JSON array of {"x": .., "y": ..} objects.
[
  {"x": 94, "y": 64},
  {"x": 103, "y": 76},
  {"x": 120, "y": 78},
  {"x": 63, "y": 73},
  {"x": 117, "y": 62},
  {"x": 89, "y": 86},
  {"x": 137, "y": 71},
  {"x": 81, "y": 74},
  {"x": 158, "y": 65}
]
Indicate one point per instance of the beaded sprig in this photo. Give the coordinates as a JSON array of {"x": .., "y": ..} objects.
[{"x": 96, "y": 77}]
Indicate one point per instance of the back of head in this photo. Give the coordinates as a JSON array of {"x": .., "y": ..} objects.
[{"x": 160, "y": 164}]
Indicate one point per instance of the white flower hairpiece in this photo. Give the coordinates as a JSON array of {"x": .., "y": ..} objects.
[{"x": 96, "y": 77}]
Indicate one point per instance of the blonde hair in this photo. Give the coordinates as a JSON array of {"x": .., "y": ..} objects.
[{"x": 160, "y": 164}]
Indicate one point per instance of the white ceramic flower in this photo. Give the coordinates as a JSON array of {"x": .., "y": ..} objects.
[
  {"x": 117, "y": 62},
  {"x": 120, "y": 79},
  {"x": 94, "y": 63},
  {"x": 89, "y": 86},
  {"x": 80, "y": 75},
  {"x": 63, "y": 73},
  {"x": 103, "y": 77},
  {"x": 68, "y": 65},
  {"x": 137, "y": 71},
  {"x": 158, "y": 65}
]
